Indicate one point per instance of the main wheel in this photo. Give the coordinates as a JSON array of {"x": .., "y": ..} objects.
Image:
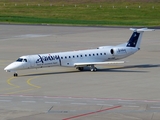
[
  {"x": 93, "y": 69},
  {"x": 80, "y": 68}
]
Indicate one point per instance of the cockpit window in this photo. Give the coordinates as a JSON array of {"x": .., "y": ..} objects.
[
  {"x": 25, "y": 60},
  {"x": 19, "y": 60}
]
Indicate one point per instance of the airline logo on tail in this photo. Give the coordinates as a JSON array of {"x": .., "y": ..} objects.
[{"x": 133, "y": 40}]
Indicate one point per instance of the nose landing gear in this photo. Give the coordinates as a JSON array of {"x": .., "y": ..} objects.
[{"x": 15, "y": 74}]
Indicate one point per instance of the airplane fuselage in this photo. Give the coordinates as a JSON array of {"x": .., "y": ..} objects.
[
  {"x": 81, "y": 58},
  {"x": 68, "y": 59}
]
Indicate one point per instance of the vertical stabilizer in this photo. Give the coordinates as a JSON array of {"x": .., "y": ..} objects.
[{"x": 135, "y": 39}]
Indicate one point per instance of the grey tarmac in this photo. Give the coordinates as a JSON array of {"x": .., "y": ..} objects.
[{"x": 128, "y": 91}]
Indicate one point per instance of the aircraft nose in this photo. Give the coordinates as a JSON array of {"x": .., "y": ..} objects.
[
  {"x": 9, "y": 67},
  {"x": 13, "y": 66}
]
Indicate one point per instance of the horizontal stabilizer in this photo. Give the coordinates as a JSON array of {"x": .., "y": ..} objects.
[
  {"x": 97, "y": 63},
  {"x": 141, "y": 29}
]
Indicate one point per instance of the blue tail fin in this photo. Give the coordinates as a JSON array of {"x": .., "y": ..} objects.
[
  {"x": 136, "y": 37},
  {"x": 133, "y": 40}
]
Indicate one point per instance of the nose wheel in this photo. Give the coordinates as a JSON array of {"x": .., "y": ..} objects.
[{"x": 15, "y": 74}]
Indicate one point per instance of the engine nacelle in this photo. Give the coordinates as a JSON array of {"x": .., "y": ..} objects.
[{"x": 118, "y": 51}]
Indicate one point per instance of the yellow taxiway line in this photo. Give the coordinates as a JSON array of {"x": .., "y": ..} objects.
[
  {"x": 9, "y": 83},
  {"x": 28, "y": 82},
  {"x": 16, "y": 86}
]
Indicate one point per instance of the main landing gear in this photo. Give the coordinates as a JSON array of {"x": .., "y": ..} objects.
[
  {"x": 80, "y": 68},
  {"x": 92, "y": 68},
  {"x": 15, "y": 74}
]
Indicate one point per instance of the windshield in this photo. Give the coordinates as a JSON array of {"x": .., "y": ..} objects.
[{"x": 21, "y": 60}]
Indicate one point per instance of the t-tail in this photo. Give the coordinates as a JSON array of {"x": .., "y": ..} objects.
[
  {"x": 136, "y": 37},
  {"x": 132, "y": 46}
]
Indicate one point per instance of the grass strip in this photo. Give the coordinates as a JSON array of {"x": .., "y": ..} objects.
[{"x": 77, "y": 13}]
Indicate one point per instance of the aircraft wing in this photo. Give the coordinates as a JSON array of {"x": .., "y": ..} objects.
[{"x": 97, "y": 63}]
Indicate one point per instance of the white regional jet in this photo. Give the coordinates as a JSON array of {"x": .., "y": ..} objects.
[{"x": 82, "y": 58}]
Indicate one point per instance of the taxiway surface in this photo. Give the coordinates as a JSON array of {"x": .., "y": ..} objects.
[{"x": 127, "y": 91}]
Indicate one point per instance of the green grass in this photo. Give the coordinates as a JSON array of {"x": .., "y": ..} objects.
[{"x": 85, "y": 13}]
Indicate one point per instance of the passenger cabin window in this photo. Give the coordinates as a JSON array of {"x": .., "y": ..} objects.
[
  {"x": 93, "y": 54},
  {"x": 100, "y": 53},
  {"x": 89, "y": 54},
  {"x": 97, "y": 53},
  {"x": 61, "y": 57},
  {"x": 69, "y": 56},
  {"x": 81, "y": 55},
  {"x": 104, "y": 53},
  {"x": 73, "y": 56},
  {"x": 66, "y": 57},
  {"x": 85, "y": 55}
]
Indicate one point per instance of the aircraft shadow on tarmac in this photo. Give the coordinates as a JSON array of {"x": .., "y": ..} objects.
[
  {"x": 115, "y": 69},
  {"x": 119, "y": 69},
  {"x": 49, "y": 73}
]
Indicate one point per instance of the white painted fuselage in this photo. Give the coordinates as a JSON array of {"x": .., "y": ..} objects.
[
  {"x": 69, "y": 59},
  {"x": 81, "y": 58}
]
